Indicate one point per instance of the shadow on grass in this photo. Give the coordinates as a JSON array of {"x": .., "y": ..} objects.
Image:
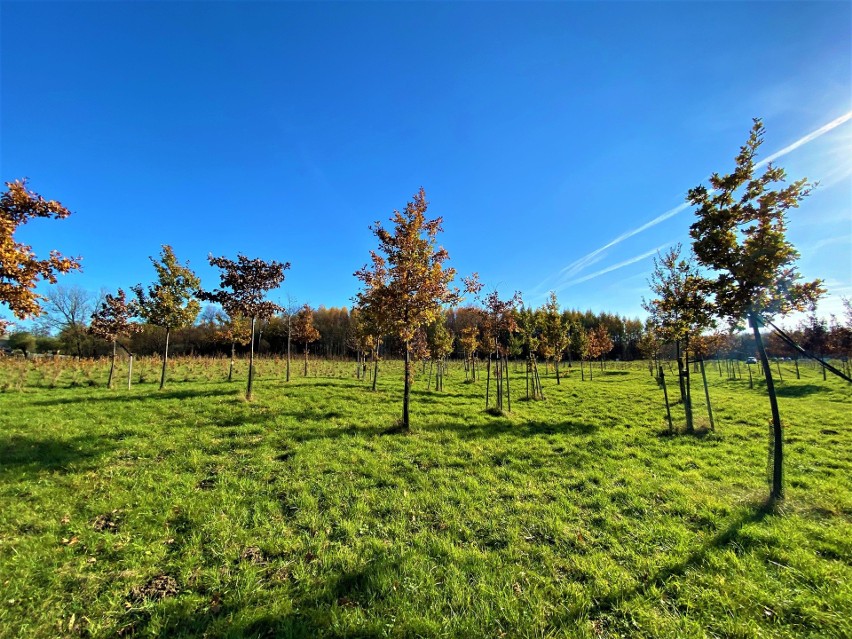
[
  {"x": 757, "y": 513},
  {"x": 797, "y": 391},
  {"x": 23, "y": 455},
  {"x": 315, "y": 612},
  {"x": 501, "y": 427},
  {"x": 699, "y": 433},
  {"x": 154, "y": 396}
]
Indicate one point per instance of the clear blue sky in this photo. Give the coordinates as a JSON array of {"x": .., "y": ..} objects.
[{"x": 541, "y": 133}]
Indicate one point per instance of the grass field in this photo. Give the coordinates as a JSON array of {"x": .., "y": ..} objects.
[{"x": 190, "y": 512}]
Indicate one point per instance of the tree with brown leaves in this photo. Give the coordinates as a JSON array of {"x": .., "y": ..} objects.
[
  {"x": 600, "y": 343},
  {"x": 20, "y": 269},
  {"x": 304, "y": 331},
  {"x": 111, "y": 321},
  {"x": 244, "y": 284},
  {"x": 234, "y": 330},
  {"x": 498, "y": 325},
  {"x": 408, "y": 282}
]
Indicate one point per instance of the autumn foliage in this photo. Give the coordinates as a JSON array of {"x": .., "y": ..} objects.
[
  {"x": 407, "y": 282},
  {"x": 20, "y": 269},
  {"x": 244, "y": 284}
]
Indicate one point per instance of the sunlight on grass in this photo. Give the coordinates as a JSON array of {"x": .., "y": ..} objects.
[{"x": 191, "y": 512}]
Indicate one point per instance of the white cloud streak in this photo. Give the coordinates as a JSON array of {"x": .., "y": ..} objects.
[
  {"x": 813, "y": 135},
  {"x": 615, "y": 267},
  {"x": 565, "y": 275}
]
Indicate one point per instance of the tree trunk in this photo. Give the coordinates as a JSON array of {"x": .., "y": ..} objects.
[
  {"x": 288, "y": 347},
  {"x": 556, "y": 366},
  {"x": 537, "y": 380},
  {"x": 406, "y": 425},
  {"x": 306, "y": 360},
  {"x": 165, "y": 360},
  {"x": 375, "y": 365},
  {"x": 707, "y": 395},
  {"x": 777, "y": 435},
  {"x": 666, "y": 397},
  {"x": 111, "y": 366},
  {"x": 251, "y": 363},
  {"x": 231, "y": 367},
  {"x": 488, "y": 382},
  {"x": 690, "y": 422},
  {"x": 129, "y": 370},
  {"x": 680, "y": 372},
  {"x": 508, "y": 389}
]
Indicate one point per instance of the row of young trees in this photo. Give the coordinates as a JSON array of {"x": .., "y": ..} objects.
[{"x": 743, "y": 269}]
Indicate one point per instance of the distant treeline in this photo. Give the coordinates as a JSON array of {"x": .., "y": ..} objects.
[{"x": 337, "y": 341}]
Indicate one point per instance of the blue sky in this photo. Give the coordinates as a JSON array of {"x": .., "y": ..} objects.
[{"x": 541, "y": 133}]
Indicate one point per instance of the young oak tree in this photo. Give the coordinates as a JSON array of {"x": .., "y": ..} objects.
[
  {"x": 111, "y": 321},
  {"x": 20, "y": 270},
  {"x": 304, "y": 331},
  {"x": 497, "y": 327},
  {"x": 244, "y": 284},
  {"x": 234, "y": 330},
  {"x": 599, "y": 344},
  {"x": 408, "y": 282},
  {"x": 554, "y": 330},
  {"x": 529, "y": 331},
  {"x": 681, "y": 311},
  {"x": 440, "y": 344},
  {"x": 369, "y": 332},
  {"x": 169, "y": 302},
  {"x": 740, "y": 233},
  {"x": 580, "y": 345}
]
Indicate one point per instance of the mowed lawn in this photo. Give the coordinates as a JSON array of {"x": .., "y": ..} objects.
[{"x": 190, "y": 512}]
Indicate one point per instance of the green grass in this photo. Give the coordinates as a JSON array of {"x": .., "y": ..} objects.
[{"x": 191, "y": 512}]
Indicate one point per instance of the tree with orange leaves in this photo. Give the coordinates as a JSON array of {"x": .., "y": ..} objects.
[
  {"x": 407, "y": 283},
  {"x": 20, "y": 270},
  {"x": 304, "y": 331}
]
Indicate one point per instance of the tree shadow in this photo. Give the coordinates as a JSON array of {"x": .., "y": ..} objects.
[
  {"x": 501, "y": 427},
  {"x": 728, "y": 535},
  {"x": 155, "y": 396},
  {"x": 798, "y": 391},
  {"x": 313, "y": 613},
  {"x": 22, "y": 454}
]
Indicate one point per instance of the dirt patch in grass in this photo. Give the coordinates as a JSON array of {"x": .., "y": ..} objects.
[
  {"x": 107, "y": 522},
  {"x": 156, "y": 588}
]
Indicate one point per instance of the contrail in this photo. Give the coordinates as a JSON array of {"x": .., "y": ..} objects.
[
  {"x": 579, "y": 265},
  {"x": 813, "y": 135},
  {"x": 614, "y": 267}
]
